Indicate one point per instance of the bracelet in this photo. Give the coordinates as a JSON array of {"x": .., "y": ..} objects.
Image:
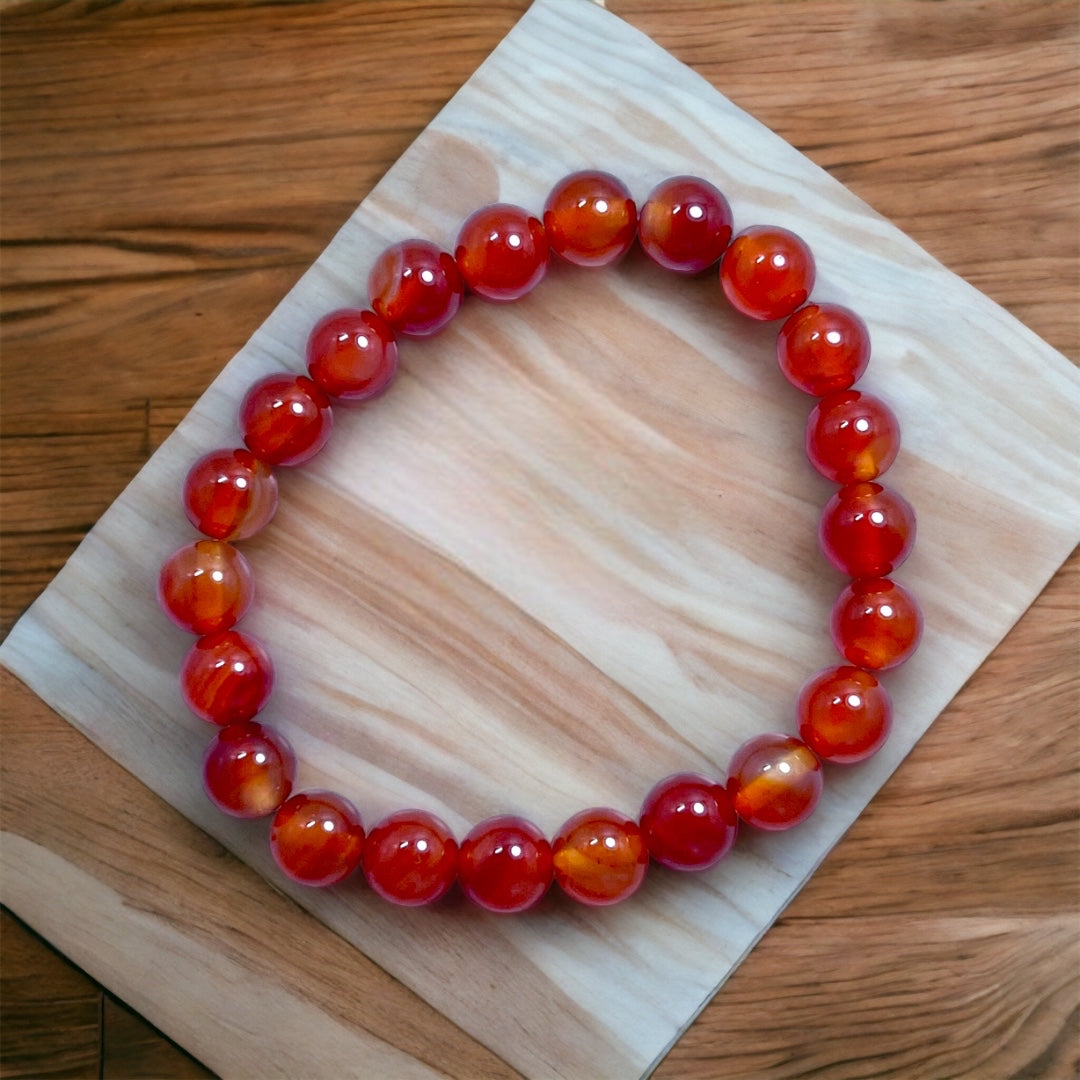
[{"x": 687, "y": 821}]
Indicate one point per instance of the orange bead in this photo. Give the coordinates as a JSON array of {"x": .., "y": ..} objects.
[
  {"x": 411, "y": 858},
  {"x": 230, "y": 494},
  {"x": 823, "y": 347},
  {"x": 774, "y": 781},
  {"x": 867, "y": 530},
  {"x": 502, "y": 252},
  {"x": 767, "y": 272},
  {"x": 415, "y": 287},
  {"x": 851, "y": 435},
  {"x": 590, "y": 219},
  {"x": 876, "y": 623},
  {"x": 205, "y": 586},
  {"x": 317, "y": 838},
  {"x": 600, "y": 857},
  {"x": 688, "y": 822},
  {"x": 226, "y": 677},
  {"x": 248, "y": 770},
  {"x": 286, "y": 419},
  {"x": 844, "y": 714},
  {"x": 685, "y": 224},
  {"x": 352, "y": 355},
  {"x": 505, "y": 864}
]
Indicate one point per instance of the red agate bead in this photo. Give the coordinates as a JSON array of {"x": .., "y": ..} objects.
[
  {"x": 205, "y": 586},
  {"x": 688, "y": 822},
  {"x": 867, "y": 530},
  {"x": 317, "y": 838},
  {"x": 600, "y": 857},
  {"x": 823, "y": 347},
  {"x": 505, "y": 864},
  {"x": 767, "y": 272},
  {"x": 248, "y": 770},
  {"x": 286, "y": 419},
  {"x": 852, "y": 435},
  {"x": 685, "y": 224},
  {"x": 415, "y": 287},
  {"x": 230, "y": 494},
  {"x": 226, "y": 677},
  {"x": 352, "y": 354},
  {"x": 590, "y": 218},
  {"x": 410, "y": 858},
  {"x": 876, "y": 623},
  {"x": 502, "y": 252},
  {"x": 774, "y": 781},
  {"x": 844, "y": 714}
]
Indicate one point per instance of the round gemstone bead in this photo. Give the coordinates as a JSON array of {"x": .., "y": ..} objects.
[
  {"x": 688, "y": 822},
  {"x": 230, "y": 494},
  {"x": 867, "y": 530},
  {"x": 248, "y": 770},
  {"x": 317, "y": 838},
  {"x": 767, "y": 272},
  {"x": 502, "y": 252},
  {"x": 774, "y": 781},
  {"x": 205, "y": 586},
  {"x": 411, "y": 858},
  {"x": 876, "y": 623},
  {"x": 600, "y": 857},
  {"x": 685, "y": 224},
  {"x": 415, "y": 287},
  {"x": 226, "y": 677},
  {"x": 590, "y": 218},
  {"x": 352, "y": 355},
  {"x": 823, "y": 347},
  {"x": 286, "y": 419},
  {"x": 505, "y": 864},
  {"x": 844, "y": 714},
  {"x": 851, "y": 435}
]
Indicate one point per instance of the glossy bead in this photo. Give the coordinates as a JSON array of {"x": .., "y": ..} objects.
[
  {"x": 851, "y": 435},
  {"x": 505, "y": 864},
  {"x": 767, "y": 272},
  {"x": 248, "y": 770},
  {"x": 688, "y": 822},
  {"x": 867, "y": 530},
  {"x": 823, "y": 347},
  {"x": 317, "y": 838},
  {"x": 226, "y": 677},
  {"x": 286, "y": 419},
  {"x": 600, "y": 857},
  {"x": 205, "y": 586},
  {"x": 415, "y": 287},
  {"x": 685, "y": 224},
  {"x": 774, "y": 781},
  {"x": 876, "y": 623},
  {"x": 502, "y": 252},
  {"x": 410, "y": 858},
  {"x": 230, "y": 494},
  {"x": 844, "y": 714},
  {"x": 590, "y": 218},
  {"x": 352, "y": 355}
]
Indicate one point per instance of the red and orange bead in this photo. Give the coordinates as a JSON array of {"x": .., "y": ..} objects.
[
  {"x": 774, "y": 781},
  {"x": 502, "y": 252},
  {"x": 767, "y": 272},
  {"x": 415, "y": 288},
  {"x": 286, "y": 419},
  {"x": 230, "y": 494},
  {"x": 317, "y": 838},
  {"x": 504, "y": 864},
  {"x": 226, "y": 677},
  {"x": 411, "y": 858},
  {"x": 685, "y": 224},
  {"x": 688, "y": 822},
  {"x": 352, "y": 355},
  {"x": 248, "y": 770},
  {"x": 876, "y": 623},
  {"x": 851, "y": 436},
  {"x": 844, "y": 714},
  {"x": 823, "y": 347},
  {"x": 867, "y": 530},
  {"x": 205, "y": 586},
  {"x": 590, "y": 219},
  {"x": 600, "y": 857}
]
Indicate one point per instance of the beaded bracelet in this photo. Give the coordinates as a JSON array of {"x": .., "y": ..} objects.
[{"x": 687, "y": 821}]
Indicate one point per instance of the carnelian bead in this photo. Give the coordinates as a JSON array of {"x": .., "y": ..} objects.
[
  {"x": 688, "y": 822},
  {"x": 685, "y": 224},
  {"x": 844, "y": 714},
  {"x": 823, "y": 347},
  {"x": 867, "y": 530},
  {"x": 317, "y": 838},
  {"x": 352, "y": 355},
  {"x": 590, "y": 218},
  {"x": 410, "y": 858},
  {"x": 248, "y": 770},
  {"x": 774, "y": 781},
  {"x": 767, "y": 272},
  {"x": 286, "y": 419},
  {"x": 415, "y": 287},
  {"x": 851, "y": 435},
  {"x": 226, "y": 677},
  {"x": 505, "y": 864},
  {"x": 876, "y": 623},
  {"x": 600, "y": 857},
  {"x": 502, "y": 252},
  {"x": 205, "y": 586},
  {"x": 230, "y": 494}
]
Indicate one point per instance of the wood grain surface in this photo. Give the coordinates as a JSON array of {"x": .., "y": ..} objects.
[{"x": 950, "y": 908}]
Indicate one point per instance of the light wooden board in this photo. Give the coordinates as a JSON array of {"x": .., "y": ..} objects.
[{"x": 567, "y": 553}]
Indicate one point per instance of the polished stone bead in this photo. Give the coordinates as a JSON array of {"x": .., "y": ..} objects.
[
  {"x": 844, "y": 714},
  {"x": 411, "y": 858},
  {"x": 248, "y": 770},
  {"x": 230, "y": 494},
  {"x": 415, "y": 287},
  {"x": 317, "y": 838},
  {"x": 352, "y": 355},
  {"x": 226, "y": 677},
  {"x": 505, "y": 864},
  {"x": 688, "y": 822},
  {"x": 822, "y": 348},
  {"x": 286, "y": 419},
  {"x": 867, "y": 530},
  {"x": 205, "y": 586},
  {"x": 767, "y": 272},
  {"x": 774, "y": 781},
  {"x": 600, "y": 857},
  {"x": 851, "y": 436},
  {"x": 685, "y": 224},
  {"x": 502, "y": 252},
  {"x": 590, "y": 218},
  {"x": 876, "y": 623}
]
